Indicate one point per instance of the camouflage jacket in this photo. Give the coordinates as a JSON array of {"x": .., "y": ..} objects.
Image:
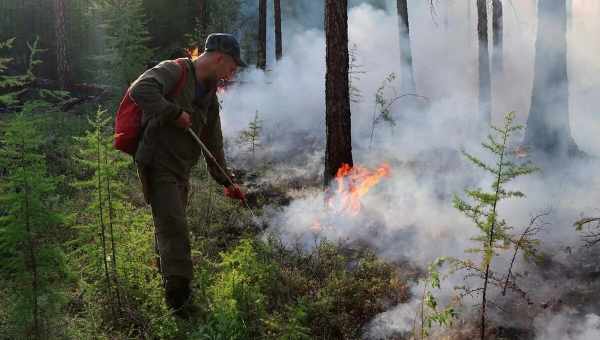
[{"x": 164, "y": 145}]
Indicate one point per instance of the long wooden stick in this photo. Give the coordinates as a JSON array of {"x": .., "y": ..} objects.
[{"x": 213, "y": 159}]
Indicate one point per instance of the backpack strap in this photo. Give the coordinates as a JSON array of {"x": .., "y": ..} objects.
[{"x": 181, "y": 82}]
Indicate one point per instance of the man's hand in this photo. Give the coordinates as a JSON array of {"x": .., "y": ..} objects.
[
  {"x": 234, "y": 192},
  {"x": 184, "y": 121}
]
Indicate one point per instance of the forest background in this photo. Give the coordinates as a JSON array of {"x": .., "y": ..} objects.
[{"x": 424, "y": 80}]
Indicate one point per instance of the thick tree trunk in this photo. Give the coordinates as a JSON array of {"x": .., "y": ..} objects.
[
  {"x": 337, "y": 93},
  {"x": 63, "y": 70},
  {"x": 262, "y": 35},
  {"x": 485, "y": 88},
  {"x": 278, "y": 38},
  {"x": 407, "y": 78},
  {"x": 548, "y": 128},
  {"x": 498, "y": 31}
]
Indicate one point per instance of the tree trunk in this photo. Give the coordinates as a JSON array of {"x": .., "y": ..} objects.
[
  {"x": 203, "y": 17},
  {"x": 485, "y": 88},
  {"x": 278, "y": 38},
  {"x": 32, "y": 261},
  {"x": 337, "y": 93},
  {"x": 262, "y": 35},
  {"x": 407, "y": 78},
  {"x": 498, "y": 28},
  {"x": 63, "y": 69},
  {"x": 548, "y": 128}
]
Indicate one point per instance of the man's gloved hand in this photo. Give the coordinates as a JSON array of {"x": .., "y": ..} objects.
[
  {"x": 184, "y": 121},
  {"x": 234, "y": 192}
]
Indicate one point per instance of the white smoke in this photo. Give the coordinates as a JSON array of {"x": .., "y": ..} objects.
[
  {"x": 410, "y": 215},
  {"x": 568, "y": 325}
]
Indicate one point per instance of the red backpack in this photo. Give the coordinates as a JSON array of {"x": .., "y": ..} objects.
[{"x": 128, "y": 121}]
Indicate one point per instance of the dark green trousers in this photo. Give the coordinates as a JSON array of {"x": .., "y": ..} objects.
[{"x": 168, "y": 198}]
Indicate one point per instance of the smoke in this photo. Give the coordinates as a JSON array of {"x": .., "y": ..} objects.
[
  {"x": 568, "y": 325},
  {"x": 399, "y": 320},
  {"x": 409, "y": 216}
]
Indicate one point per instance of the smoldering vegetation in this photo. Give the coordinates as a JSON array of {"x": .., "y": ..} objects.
[{"x": 409, "y": 217}]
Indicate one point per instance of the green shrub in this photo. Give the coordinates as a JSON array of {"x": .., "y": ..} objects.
[{"x": 237, "y": 294}]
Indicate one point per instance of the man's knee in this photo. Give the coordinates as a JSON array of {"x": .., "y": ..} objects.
[{"x": 171, "y": 228}]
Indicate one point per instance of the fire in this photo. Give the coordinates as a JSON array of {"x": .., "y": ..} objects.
[
  {"x": 193, "y": 52},
  {"x": 352, "y": 184}
]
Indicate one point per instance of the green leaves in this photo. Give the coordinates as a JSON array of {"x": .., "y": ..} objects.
[
  {"x": 431, "y": 313},
  {"x": 430, "y": 301}
]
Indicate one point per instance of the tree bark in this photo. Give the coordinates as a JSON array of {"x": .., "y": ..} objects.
[
  {"x": 63, "y": 69},
  {"x": 407, "y": 78},
  {"x": 32, "y": 260},
  {"x": 485, "y": 88},
  {"x": 203, "y": 14},
  {"x": 498, "y": 32},
  {"x": 278, "y": 38},
  {"x": 337, "y": 93},
  {"x": 548, "y": 128},
  {"x": 262, "y": 35}
]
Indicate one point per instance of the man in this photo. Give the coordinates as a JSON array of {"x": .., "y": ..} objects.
[{"x": 167, "y": 151}]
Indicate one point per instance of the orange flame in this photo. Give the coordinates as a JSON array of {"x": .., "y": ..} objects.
[
  {"x": 353, "y": 183},
  {"x": 193, "y": 52}
]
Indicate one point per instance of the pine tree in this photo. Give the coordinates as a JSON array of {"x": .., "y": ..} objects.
[
  {"x": 216, "y": 16},
  {"x": 33, "y": 262},
  {"x": 408, "y": 78},
  {"x": 498, "y": 35},
  {"x": 12, "y": 85},
  {"x": 112, "y": 248},
  {"x": 127, "y": 38},
  {"x": 338, "y": 149},
  {"x": 63, "y": 66},
  {"x": 251, "y": 136},
  {"x": 485, "y": 87},
  {"x": 548, "y": 127},
  {"x": 262, "y": 35},
  {"x": 483, "y": 211},
  {"x": 278, "y": 37},
  {"x": 100, "y": 217}
]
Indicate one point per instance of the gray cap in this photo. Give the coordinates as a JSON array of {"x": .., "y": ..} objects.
[{"x": 225, "y": 43}]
